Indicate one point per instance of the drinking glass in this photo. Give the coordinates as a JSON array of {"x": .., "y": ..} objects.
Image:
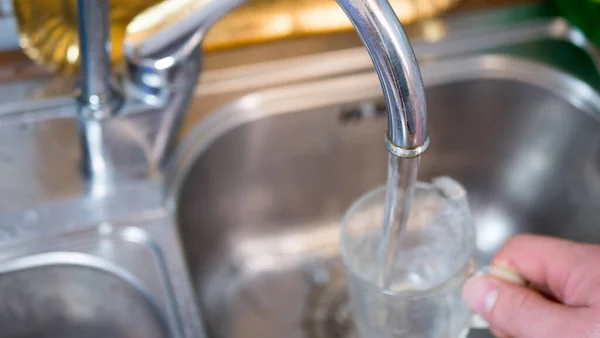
[{"x": 421, "y": 297}]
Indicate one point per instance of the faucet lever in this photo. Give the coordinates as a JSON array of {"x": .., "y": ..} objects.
[
  {"x": 162, "y": 37},
  {"x": 166, "y": 27}
]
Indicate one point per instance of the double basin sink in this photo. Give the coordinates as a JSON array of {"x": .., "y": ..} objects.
[{"x": 244, "y": 239}]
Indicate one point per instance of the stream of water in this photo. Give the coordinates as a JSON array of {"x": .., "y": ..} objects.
[{"x": 402, "y": 175}]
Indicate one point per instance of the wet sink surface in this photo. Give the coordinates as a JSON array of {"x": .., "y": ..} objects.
[
  {"x": 104, "y": 281},
  {"x": 69, "y": 301}
]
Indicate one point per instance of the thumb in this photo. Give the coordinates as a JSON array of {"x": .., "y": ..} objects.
[{"x": 521, "y": 312}]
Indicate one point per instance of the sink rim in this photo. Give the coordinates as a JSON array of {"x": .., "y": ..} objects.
[
  {"x": 70, "y": 258},
  {"x": 356, "y": 88}
]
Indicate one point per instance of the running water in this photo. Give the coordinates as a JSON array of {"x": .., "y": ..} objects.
[{"x": 402, "y": 175}]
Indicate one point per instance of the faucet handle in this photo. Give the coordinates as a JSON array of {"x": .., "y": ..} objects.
[
  {"x": 161, "y": 38},
  {"x": 165, "y": 30}
]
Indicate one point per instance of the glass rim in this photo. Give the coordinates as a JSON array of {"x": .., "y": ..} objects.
[{"x": 416, "y": 294}]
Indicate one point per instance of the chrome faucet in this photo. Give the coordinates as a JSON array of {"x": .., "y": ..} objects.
[{"x": 163, "y": 51}]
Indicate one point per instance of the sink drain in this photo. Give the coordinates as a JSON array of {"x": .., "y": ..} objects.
[{"x": 331, "y": 314}]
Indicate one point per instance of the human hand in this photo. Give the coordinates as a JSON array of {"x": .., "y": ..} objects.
[{"x": 567, "y": 272}]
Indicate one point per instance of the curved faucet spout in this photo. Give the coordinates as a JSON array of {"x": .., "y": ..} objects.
[
  {"x": 399, "y": 73},
  {"x": 160, "y": 38}
]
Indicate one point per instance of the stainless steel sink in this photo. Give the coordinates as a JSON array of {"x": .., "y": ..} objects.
[
  {"x": 62, "y": 300},
  {"x": 245, "y": 223},
  {"x": 264, "y": 181},
  {"x": 110, "y": 280}
]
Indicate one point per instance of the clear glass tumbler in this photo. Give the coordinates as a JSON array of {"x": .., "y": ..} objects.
[{"x": 435, "y": 256}]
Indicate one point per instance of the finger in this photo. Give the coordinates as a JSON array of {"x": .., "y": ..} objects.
[
  {"x": 519, "y": 312},
  {"x": 560, "y": 265},
  {"x": 503, "y": 271}
]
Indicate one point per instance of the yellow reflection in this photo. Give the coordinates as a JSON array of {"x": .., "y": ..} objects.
[
  {"x": 434, "y": 30},
  {"x": 250, "y": 23},
  {"x": 48, "y": 29},
  {"x": 322, "y": 18},
  {"x": 280, "y": 24}
]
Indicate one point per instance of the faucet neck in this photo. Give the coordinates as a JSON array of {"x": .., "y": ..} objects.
[
  {"x": 112, "y": 148},
  {"x": 97, "y": 100},
  {"x": 97, "y": 96},
  {"x": 396, "y": 65}
]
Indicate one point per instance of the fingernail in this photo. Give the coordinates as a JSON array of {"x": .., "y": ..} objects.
[
  {"x": 490, "y": 300},
  {"x": 480, "y": 293},
  {"x": 505, "y": 271}
]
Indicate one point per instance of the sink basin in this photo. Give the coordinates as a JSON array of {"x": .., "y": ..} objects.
[
  {"x": 263, "y": 182},
  {"x": 71, "y": 301},
  {"x": 109, "y": 280}
]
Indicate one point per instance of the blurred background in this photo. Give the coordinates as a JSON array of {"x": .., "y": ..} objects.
[{"x": 46, "y": 30}]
